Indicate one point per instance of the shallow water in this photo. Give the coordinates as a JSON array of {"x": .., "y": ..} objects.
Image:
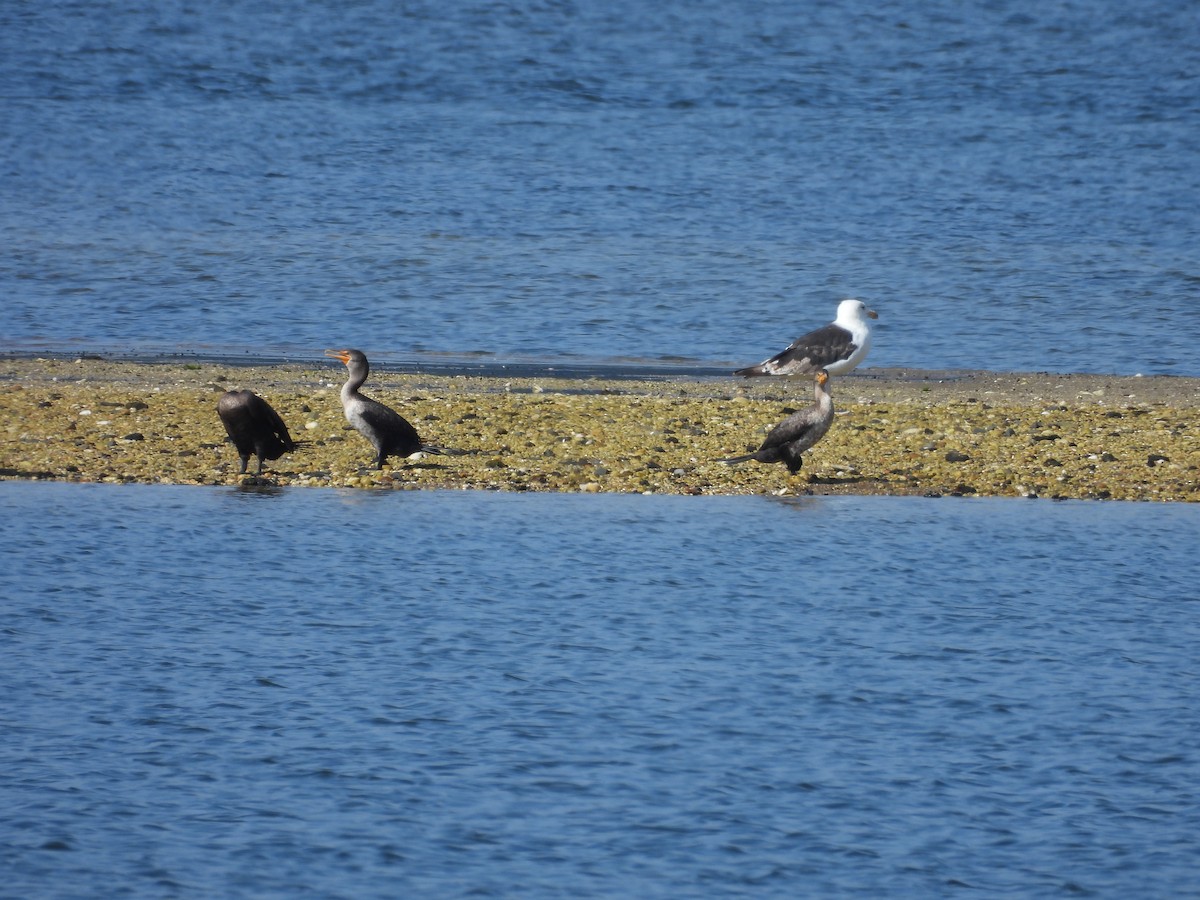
[
  {"x": 247, "y": 693},
  {"x": 1015, "y": 187}
]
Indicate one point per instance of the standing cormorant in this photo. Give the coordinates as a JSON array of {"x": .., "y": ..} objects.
[
  {"x": 799, "y": 431},
  {"x": 837, "y": 347},
  {"x": 254, "y": 427},
  {"x": 388, "y": 431}
]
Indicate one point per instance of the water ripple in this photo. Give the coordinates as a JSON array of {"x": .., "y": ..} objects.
[{"x": 656, "y": 696}]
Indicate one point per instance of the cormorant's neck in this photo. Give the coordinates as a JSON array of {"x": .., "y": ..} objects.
[{"x": 353, "y": 382}]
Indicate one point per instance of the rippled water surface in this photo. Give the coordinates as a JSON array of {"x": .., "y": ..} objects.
[
  {"x": 1015, "y": 186},
  {"x": 215, "y": 692}
]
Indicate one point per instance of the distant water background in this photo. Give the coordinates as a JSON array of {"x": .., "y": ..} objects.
[
  {"x": 323, "y": 693},
  {"x": 1014, "y": 185}
]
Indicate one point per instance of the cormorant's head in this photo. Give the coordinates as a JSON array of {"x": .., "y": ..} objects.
[{"x": 348, "y": 356}]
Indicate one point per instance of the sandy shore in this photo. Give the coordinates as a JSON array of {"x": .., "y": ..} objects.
[{"x": 897, "y": 432}]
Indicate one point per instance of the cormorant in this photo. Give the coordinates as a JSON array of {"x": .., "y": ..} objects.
[
  {"x": 799, "y": 431},
  {"x": 389, "y": 432},
  {"x": 254, "y": 427},
  {"x": 837, "y": 347}
]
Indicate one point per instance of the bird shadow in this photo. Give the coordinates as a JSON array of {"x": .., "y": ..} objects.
[{"x": 833, "y": 479}]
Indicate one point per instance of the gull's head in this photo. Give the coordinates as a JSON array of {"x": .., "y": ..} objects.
[{"x": 855, "y": 311}]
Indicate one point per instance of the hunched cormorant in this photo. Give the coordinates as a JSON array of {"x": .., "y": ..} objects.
[
  {"x": 254, "y": 427},
  {"x": 389, "y": 432},
  {"x": 799, "y": 431}
]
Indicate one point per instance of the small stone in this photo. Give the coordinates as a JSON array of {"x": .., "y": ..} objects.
[
  {"x": 1156, "y": 459},
  {"x": 956, "y": 456}
]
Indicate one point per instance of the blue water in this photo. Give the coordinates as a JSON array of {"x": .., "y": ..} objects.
[
  {"x": 314, "y": 693},
  {"x": 1014, "y": 185}
]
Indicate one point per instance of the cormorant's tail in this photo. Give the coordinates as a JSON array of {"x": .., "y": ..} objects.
[{"x": 739, "y": 459}]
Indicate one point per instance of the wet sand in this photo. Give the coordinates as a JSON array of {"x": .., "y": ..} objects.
[{"x": 897, "y": 432}]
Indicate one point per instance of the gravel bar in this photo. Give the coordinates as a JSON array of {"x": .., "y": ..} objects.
[{"x": 897, "y": 432}]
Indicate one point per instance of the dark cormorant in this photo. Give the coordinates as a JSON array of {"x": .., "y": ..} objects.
[
  {"x": 389, "y": 432},
  {"x": 837, "y": 347},
  {"x": 799, "y": 431},
  {"x": 254, "y": 427}
]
